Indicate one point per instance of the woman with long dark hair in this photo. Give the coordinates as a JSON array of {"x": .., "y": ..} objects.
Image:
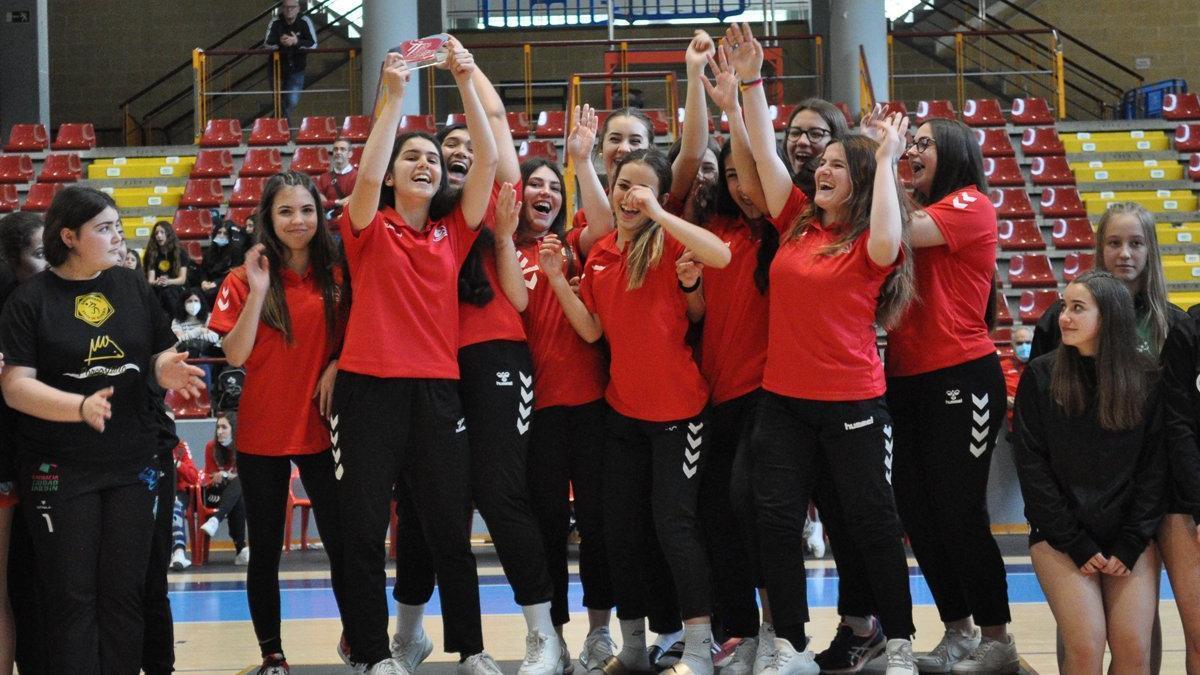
[
  {"x": 223, "y": 488},
  {"x": 1089, "y": 457},
  {"x": 166, "y": 264},
  {"x": 80, "y": 343}
]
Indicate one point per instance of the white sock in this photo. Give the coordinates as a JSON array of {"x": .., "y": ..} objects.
[
  {"x": 697, "y": 643},
  {"x": 863, "y": 626},
  {"x": 408, "y": 622},
  {"x": 665, "y": 640},
  {"x": 633, "y": 645},
  {"x": 537, "y": 617}
]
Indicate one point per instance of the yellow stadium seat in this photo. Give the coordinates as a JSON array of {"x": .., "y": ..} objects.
[
  {"x": 1182, "y": 267},
  {"x": 1146, "y": 170},
  {"x": 1155, "y": 201},
  {"x": 1171, "y": 234},
  {"x": 139, "y": 228},
  {"x": 1116, "y": 141},
  {"x": 1184, "y": 299},
  {"x": 141, "y": 167},
  {"x": 132, "y": 198}
]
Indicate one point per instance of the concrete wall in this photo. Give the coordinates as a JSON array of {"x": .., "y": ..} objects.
[{"x": 19, "y": 91}]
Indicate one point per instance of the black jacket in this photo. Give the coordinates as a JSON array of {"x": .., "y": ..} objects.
[
  {"x": 1181, "y": 410},
  {"x": 292, "y": 59},
  {"x": 1087, "y": 490}
]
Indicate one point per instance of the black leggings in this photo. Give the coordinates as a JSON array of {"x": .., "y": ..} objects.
[
  {"x": 92, "y": 526},
  {"x": 231, "y": 509},
  {"x": 946, "y": 425},
  {"x": 566, "y": 453},
  {"x": 790, "y": 438},
  {"x": 158, "y": 642},
  {"x": 265, "y": 484}
]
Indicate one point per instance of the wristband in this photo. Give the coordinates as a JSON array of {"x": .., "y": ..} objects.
[
  {"x": 692, "y": 288},
  {"x": 81, "y": 402},
  {"x": 752, "y": 83}
]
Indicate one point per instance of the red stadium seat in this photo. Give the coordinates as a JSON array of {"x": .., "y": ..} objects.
[
  {"x": 27, "y": 138},
  {"x": 194, "y": 249},
  {"x": 1030, "y": 270},
  {"x": 16, "y": 169},
  {"x": 994, "y": 143},
  {"x": 75, "y": 136},
  {"x": 531, "y": 149},
  {"x": 602, "y": 116},
  {"x": 317, "y": 130},
  {"x": 1041, "y": 141},
  {"x": 1072, "y": 233},
  {"x": 213, "y": 164},
  {"x": 1181, "y": 106},
  {"x": 1187, "y": 138},
  {"x": 40, "y": 195},
  {"x": 356, "y": 128},
  {"x": 1193, "y": 168},
  {"x": 203, "y": 193},
  {"x": 1003, "y": 172},
  {"x": 221, "y": 133},
  {"x": 518, "y": 125},
  {"x": 356, "y": 155},
  {"x": 189, "y": 408},
  {"x": 247, "y": 192},
  {"x": 982, "y": 112},
  {"x": 456, "y": 118},
  {"x": 1077, "y": 263},
  {"x": 8, "y": 198},
  {"x": 936, "y": 109},
  {"x": 551, "y": 124},
  {"x": 890, "y": 107},
  {"x": 239, "y": 214},
  {"x": 262, "y": 162},
  {"x": 777, "y": 120},
  {"x": 293, "y": 503},
  {"x": 270, "y": 131},
  {"x": 1051, "y": 170},
  {"x": 312, "y": 160},
  {"x": 61, "y": 168},
  {"x": 1035, "y": 303},
  {"x": 1011, "y": 203},
  {"x": 1001, "y": 335},
  {"x": 193, "y": 223},
  {"x": 423, "y": 123},
  {"x": 662, "y": 123},
  {"x": 1020, "y": 235},
  {"x": 1003, "y": 314},
  {"x": 1062, "y": 202},
  {"x": 1030, "y": 111}
]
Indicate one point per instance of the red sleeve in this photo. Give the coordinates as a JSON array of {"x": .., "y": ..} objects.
[
  {"x": 353, "y": 240},
  {"x": 230, "y": 299},
  {"x": 674, "y": 206},
  {"x": 672, "y": 249},
  {"x": 796, "y": 203},
  {"x": 572, "y": 242},
  {"x": 210, "y": 462},
  {"x": 185, "y": 468},
  {"x": 461, "y": 235},
  {"x": 965, "y": 218},
  {"x": 585, "y": 291}
]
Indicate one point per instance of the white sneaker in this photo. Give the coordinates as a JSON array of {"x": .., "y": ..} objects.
[
  {"x": 243, "y": 557},
  {"x": 900, "y": 659},
  {"x": 991, "y": 656},
  {"x": 479, "y": 664},
  {"x": 742, "y": 661},
  {"x": 814, "y": 539},
  {"x": 543, "y": 655},
  {"x": 411, "y": 654},
  {"x": 786, "y": 660},
  {"x": 179, "y": 560},
  {"x": 568, "y": 666},
  {"x": 343, "y": 652},
  {"x": 387, "y": 667},
  {"x": 598, "y": 647},
  {"x": 210, "y": 526},
  {"x": 766, "y": 648},
  {"x": 953, "y": 648}
]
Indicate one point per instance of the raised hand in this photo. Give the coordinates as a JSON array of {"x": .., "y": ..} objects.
[
  {"x": 642, "y": 199},
  {"x": 723, "y": 90},
  {"x": 508, "y": 210},
  {"x": 550, "y": 257},
  {"x": 175, "y": 373},
  {"x": 699, "y": 50},
  {"x": 866, "y": 126},
  {"x": 583, "y": 133},
  {"x": 258, "y": 269},
  {"x": 460, "y": 62},
  {"x": 745, "y": 52},
  {"x": 395, "y": 75},
  {"x": 97, "y": 408},
  {"x": 891, "y": 132}
]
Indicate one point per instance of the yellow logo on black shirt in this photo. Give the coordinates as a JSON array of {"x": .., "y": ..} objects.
[
  {"x": 93, "y": 309},
  {"x": 103, "y": 348}
]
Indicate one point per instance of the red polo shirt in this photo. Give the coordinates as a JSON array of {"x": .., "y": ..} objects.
[
  {"x": 498, "y": 319},
  {"x": 652, "y": 376},
  {"x": 946, "y": 325},
  {"x": 277, "y": 414},
  {"x": 567, "y": 370},
  {"x": 821, "y": 330},
  {"x": 404, "y": 318}
]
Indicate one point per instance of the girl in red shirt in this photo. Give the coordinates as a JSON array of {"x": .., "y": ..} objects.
[
  {"x": 223, "y": 490},
  {"x": 839, "y": 271},
  {"x": 283, "y": 315},
  {"x": 396, "y": 410},
  {"x": 656, "y": 430},
  {"x": 947, "y": 397}
]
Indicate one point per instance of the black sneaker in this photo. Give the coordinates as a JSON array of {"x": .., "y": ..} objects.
[
  {"x": 274, "y": 664},
  {"x": 848, "y": 653}
]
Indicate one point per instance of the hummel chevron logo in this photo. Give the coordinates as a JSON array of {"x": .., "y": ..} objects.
[
  {"x": 691, "y": 460},
  {"x": 223, "y": 301},
  {"x": 979, "y": 431},
  {"x": 964, "y": 199},
  {"x": 526, "y": 380}
]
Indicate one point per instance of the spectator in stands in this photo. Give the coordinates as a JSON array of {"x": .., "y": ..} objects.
[
  {"x": 292, "y": 34},
  {"x": 132, "y": 260},
  {"x": 1022, "y": 343},
  {"x": 823, "y": 417},
  {"x": 79, "y": 343},
  {"x": 190, "y": 325},
  {"x": 1089, "y": 457},
  {"x": 282, "y": 315},
  {"x": 396, "y": 393},
  {"x": 222, "y": 489},
  {"x": 222, "y": 255},
  {"x": 815, "y": 123},
  {"x": 336, "y": 184},
  {"x": 187, "y": 478},
  {"x": 166, "y": 265}
]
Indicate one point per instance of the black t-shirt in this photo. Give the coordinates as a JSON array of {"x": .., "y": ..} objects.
[{"x": 83, "y": 336}]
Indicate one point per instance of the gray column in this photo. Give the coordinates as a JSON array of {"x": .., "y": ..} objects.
[
  {"x": 24, "y": 90},
  {"x": 387, "y": 23},
  {"x": 853, "y": 23}
]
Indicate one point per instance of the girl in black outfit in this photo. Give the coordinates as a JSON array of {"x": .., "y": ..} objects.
[
  {"x": 80, "y": 342},
  {"x": 221, "y": 256},
  {"x": 1088, "y": 451},
  {"x": 223, "y": 491}
]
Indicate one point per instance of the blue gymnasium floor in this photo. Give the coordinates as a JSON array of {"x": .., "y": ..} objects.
[{"x": 199, "y": 601}]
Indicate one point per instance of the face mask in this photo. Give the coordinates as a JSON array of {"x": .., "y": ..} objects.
[
  {"x": 223, "y": 438},
  {"x": 1022, "y": 351},
  {"x": 193, "y": 308},
  {"x": 220, "y": 240}
]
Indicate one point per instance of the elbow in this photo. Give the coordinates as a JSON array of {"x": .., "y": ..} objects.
[
  {"x": 235, "y": 357},
  {"x": 591, "y": 336},
  {"x": 723, "y": 258}
]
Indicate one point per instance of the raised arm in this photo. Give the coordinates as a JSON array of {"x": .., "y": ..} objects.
[
  {"x": 239, "y": 341},
  {"x": 373, "y": 167},
  {"x": 551, "y": 261},
  {"x": 477, "y": 188},
  {"x": 591, "y": 191},
  {"x": 706, "y": 247},
  {"x": 695, "y": 119},
  {"x": 746, "y": 55},
  {"x": 508, "y": 168},
  {"x": 887, "y": 220},
  {"x": 723, "y": 90},
  {"x": 508, "y": 267}
]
